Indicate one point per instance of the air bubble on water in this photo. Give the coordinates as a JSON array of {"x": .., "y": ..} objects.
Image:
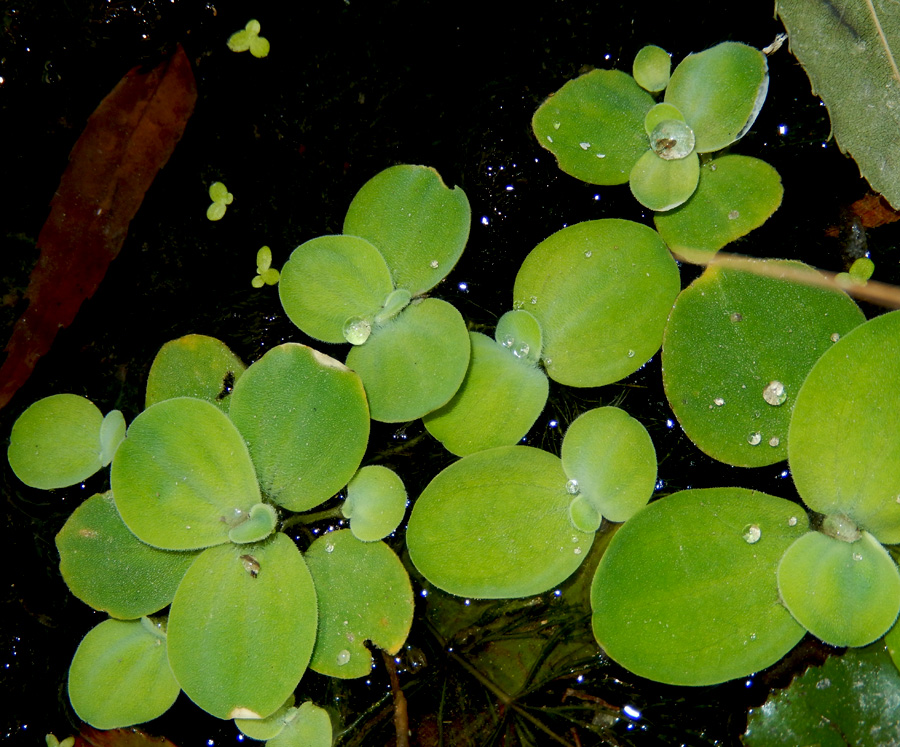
[
  {"x": 751, "y": 533},
  {"x": 719, "y": 401},
  {"x": 774, "y": 393},
  {"x": 572, "y": 487},
  {"x": 754, "y": 438},
  {"x": 343, "y": 657}
]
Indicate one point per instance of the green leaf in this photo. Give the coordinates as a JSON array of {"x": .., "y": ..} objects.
[
  {"x": 419, "y": 225},
  {"x": 601, "y": 291},
  {"x": 520, "y": 332},
  {"x": 375, "y": 504},
  {"x": 651, "y": 68},
  {"x": 844, "y": 444},
  {"x": 259, "y": 524},
  {"x": 846, "y": 593},
  {"x": 120, "y": 675},
  {"x": 609, "y": 458},
  {"x": 720, "y": 91},
  {"x": 183, "y": 476},
  {"x": 661, "y": 184},
  {"x": 501, "y": 397},
  {"x": 851, "y": 699},
  {"x": 496, "y": 524},
  {"x": 266, "y": 728},
  {"x": 56, "y": 442},
  {"x": 594, "y": 125},
  {"x": 242, "y": 627},
  {"x": 194, "y": 366},
  {"x": 415, "y": 362},
  {"x": 306, "y": 726},
  {"x": 305, "y": 419},
  {"x": 658, "y": 114},
  {"x": 364, "y": 595},
  {"x": 331, "y": 279},
  {"x": 732, "y": 340},
  {"x": 107, "y": 567},
  {"x": 735, "y": 195},
  {"x": 686, "y": 592},
  {"x": 112, "y": 433},
  {"x": 830, "y": 39}
]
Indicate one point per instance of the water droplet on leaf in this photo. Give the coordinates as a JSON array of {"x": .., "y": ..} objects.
[
  {"x": 343, "y": 657},
  {"x": 774, "y": 393},
  {"x": 754, "y": 438},
  {"x": 572, "y": 487},
  {"x": 751, "y": 533},
  {"x": 774, "y": 441},
  {"x": 357, "y": 330},
  {"x": 719, "y": 401}
]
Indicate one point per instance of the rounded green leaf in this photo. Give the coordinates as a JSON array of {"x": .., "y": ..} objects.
[
  {"x": 844, "y": 446},
  {"x": 736, "y": 350},
  {"x": 305, "y": 419},
  {"x": 735, "y": 195},
  {"x": 520, "y": 333},
  {"x": 56, "y": 442},
  {"x": 601, "y": 291},
  {"x": 698, "y": 555},
  {"x": 846, "y": 593},
  {"x": 660, "y": 113},
  {"x": 306, "y": 726},
  {"x": 364, "y": 595},
  {"x": 419, "y": 225},
  {"x": 259, "y": 523},
  {"x": 183, "y": 476},
  {"x": 501, "y": 397},
  {"x": 120, "y": 675},
  {"x": 242, "y": 627},
  {"x": 415, "y": 362},
  {"x": 594, "y": 125},
  {"x": 331, "y": 279},
  {"x": 609, "y": 458},
  {"x": 583, "y": 515},
  {"x": 194, "y": 366},
  {"x": 266, "y": 728},
  {"x": 651, "y": 68},
  {"x": 720, "y": 91},
  {"x": 496, "y": 525},
  {"x": 662, "y": 184},
  {"x": 107, "y": 567},
  {"x": 375, "y": 504},
  {"x": 112, "y": 433}
]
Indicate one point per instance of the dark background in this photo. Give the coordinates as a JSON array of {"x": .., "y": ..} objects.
[{"x": 348, "y": 89}]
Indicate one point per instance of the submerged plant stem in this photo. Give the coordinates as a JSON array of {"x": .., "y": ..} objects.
[
  {"x": 401, "y": 715},
  {"x": 331, "y": 513}
]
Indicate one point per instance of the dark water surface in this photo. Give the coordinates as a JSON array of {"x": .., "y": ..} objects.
[{"x": 349, "y": 89}]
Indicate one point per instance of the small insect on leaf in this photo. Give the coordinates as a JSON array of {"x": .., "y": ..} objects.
[{"x": 251, "y": 565}]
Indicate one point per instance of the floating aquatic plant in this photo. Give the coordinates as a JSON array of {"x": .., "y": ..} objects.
[
  {"x": 248, "y": 38},
  {"x": 266, "y": 274},
  {"x": 221, "y": 199}
]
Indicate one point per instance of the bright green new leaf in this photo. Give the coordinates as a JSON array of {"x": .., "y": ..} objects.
[
  {"x": 107, "y": 567},
  {"x": 735, "y": 195},
  {"x": 415, "y": 362},
  {"x": 419, "y": 225},
  {"x": 846, "y": 593},
  {"x": 242, "y": 627},
  {"x": 183, "y": 476},
  {"x": 594, "y": 126},
  {"x": 306, "y": 726},
  {"x": 375, "y": 504},
  {"x": 120, "y": 675},
  {"x": 686, "y": 592},
  {"x": 249, "y": 38},
  {"x": 305, "y": 420},
  {"x": 266, "y": 728},
  {"x": 651, "y": 68},
  {"x": 331, "y": 279},
  {"x": 112, "y": 433},
  {"x": 364, "y": 595},
  {"x": 850, "y": 700},
  {"x": 56, "y": 442},
  {"x": 501, "y": 397},
  {"x": 831, "y": 38},
  {"x": 609, "y": 458},
  {"x": 496, "y": 524},
  {"x": 194, "y": 366},
  {"x": 520, "y": 333},
  {"x": 720, "y": 91},
  {"x": 844, "y": 446},
  {"x": 259, "y": 523},
  {"x": 661, "y": 184},
  {"x": 601, "y": 291},
  {"x": 737, "y": 348},
  {"x": 659, "y": 114}
]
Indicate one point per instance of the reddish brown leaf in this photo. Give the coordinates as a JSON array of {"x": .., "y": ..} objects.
[
  {"x": 91, "y": 737},
  {"x": 871, "y": 211},
  {"x": 128, "y": 138}
]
